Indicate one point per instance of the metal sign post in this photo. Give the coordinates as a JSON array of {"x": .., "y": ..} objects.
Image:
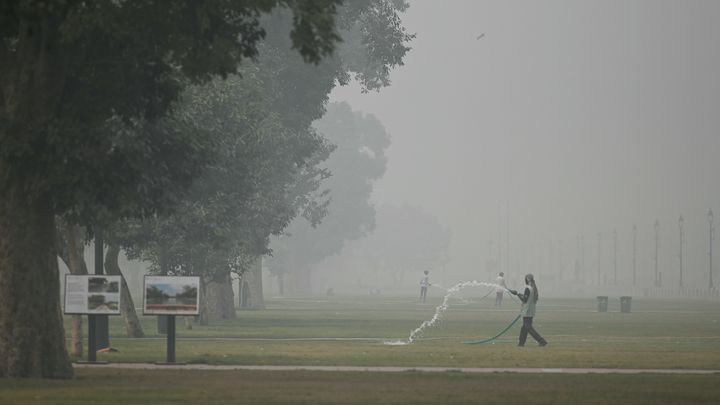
[
  {"x": 170, "y": 338},
  {"x": 92, "y": 352},
  {"x": 167, "y": 297},
  {"x": 96, "y": 296}
]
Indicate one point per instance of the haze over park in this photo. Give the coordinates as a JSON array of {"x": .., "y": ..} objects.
[
  {"x": 339, "y": 201},
  {"x": 581, "y": 117}
]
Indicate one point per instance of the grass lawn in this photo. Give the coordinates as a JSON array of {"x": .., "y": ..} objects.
[
  {"x": 305, "y": 387},
  {"x": 657, "y": 334}
]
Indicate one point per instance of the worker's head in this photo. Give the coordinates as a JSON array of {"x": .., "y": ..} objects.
[
  {"x": 502, "y": 274},
  {"x": 426, "y": 272},
  {"x": 529, "y": 279}
]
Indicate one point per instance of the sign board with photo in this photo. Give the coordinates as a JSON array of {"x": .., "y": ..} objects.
[
  {"x": 171, "y": 295},
  {"x": 92, "y": 294}
]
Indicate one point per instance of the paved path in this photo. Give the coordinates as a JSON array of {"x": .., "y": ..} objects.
[{"x": 152, "y": 366}]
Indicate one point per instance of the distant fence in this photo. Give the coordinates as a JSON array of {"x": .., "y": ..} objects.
[
  {"x": 698, "y": 293},
  {"x": 638, "y": 292}
]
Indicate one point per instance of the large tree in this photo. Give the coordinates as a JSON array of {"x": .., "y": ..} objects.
[
  {"x": 374, "y": 42},
  {"x": 81, "y": 86},
  {"x": 263, "y": 174},
  {"x": 358, "y": 160},
  {"x": 268, "y": 172},
  {"x": 71, "y": 250}
]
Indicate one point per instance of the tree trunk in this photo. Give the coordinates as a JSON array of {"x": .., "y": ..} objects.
[
  {"x": 76, "y": 335},
  {"x": 252, "y": 287},
  {"x": 203, "y": 316},
  {"x": 228, "y": 298},
  {"x": 281, "y": 284},
  {"x": 301, "y": 281},
  {"x": 71, "y": 249},
  {"x": 133, "y": 327},
  {"x": 218, "y": 298},
  {"x": 243, "y": 291},
  {"x": 32, "y": 337}
]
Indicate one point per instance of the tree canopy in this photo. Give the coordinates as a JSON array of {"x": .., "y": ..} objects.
[
  {"x": 84, "y": 87},
  {"x": 358, "y": 160},
  {"x": 81, "y": 84},
  {"x": 268, "y": 171}
]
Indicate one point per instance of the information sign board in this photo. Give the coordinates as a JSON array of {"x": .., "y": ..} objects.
[
  {"x": 171, "y": 295},
  {"x": 92, "y": 294}
]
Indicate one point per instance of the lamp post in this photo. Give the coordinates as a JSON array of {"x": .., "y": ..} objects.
[
  {"x": 507, "y": 235},
  {"x": 681, "y": 225},
  {"x": 657, "y": 246},
  {"x": 711, "y": 230},
  {"x": 614, "y": 256},
  {"x": 582, "y": 257},
  {"x": 634, "y": 254},
  {"x": 577, "y": 258},
  {"x": 599, "y": 269}
]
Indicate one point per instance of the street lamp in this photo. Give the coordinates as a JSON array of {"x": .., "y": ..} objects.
[
  {"x": 657, "y": 245},
  {"x": 711, "y": 230},
  {"x": 614, "y": 256},
  {"x": 582, "y": 257},
  {"x": 681, "y": 224},
  {"x": 599, "y": 269},
  {"x": 634, "y": 254},
  {"x": 578, "y": 260}
]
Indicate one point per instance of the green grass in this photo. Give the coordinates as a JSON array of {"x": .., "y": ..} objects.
[
  {"x": 657, "y": 334},
  {"x": 108, "y": 386}
]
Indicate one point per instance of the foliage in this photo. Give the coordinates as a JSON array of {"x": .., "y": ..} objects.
[
  {"x": 406, "y": 238},
  {"x": 267, "y": 170},
  {"x": 83, "y": 88},
  {"x": 253, "y": 188},
  {"x": 357, "y": 161},
  {"x": 82, "y": 83},
  {"x": 375, "y": 42}
]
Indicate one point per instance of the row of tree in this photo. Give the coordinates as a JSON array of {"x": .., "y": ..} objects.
[
  {"x": 406, "y": 241},
  {"x": 138, "y": 118},
  {"x": 358, "y": 160}
]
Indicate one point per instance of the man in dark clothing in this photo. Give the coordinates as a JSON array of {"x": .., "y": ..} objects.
[{"x": 529, "y": 299}]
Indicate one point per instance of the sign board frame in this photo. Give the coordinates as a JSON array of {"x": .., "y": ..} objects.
[
  {"x": 175, "y": 294},
  {"x": 103, "y": 292}
]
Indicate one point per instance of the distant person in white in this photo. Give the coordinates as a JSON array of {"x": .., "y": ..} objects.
[
  {"x": 424, "y": 284},
  {"x": 500, "y": 290}
]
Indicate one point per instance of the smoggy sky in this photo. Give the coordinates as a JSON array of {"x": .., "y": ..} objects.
[{"x": 581, "y": 116}]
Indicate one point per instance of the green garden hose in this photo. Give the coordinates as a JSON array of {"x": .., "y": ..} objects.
[{"x": 477, "y": 342}]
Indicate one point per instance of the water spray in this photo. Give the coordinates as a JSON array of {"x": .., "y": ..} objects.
[
  {"x": 440, "y": 310},
  {"x": 456, "y": 294}
]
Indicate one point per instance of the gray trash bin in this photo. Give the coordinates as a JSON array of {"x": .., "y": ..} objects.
[
  {"x": 625, "y": 303},
  {"x": 602, "y": 303}
]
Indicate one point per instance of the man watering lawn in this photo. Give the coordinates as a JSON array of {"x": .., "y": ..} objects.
[{"x": 529, "y": 300}]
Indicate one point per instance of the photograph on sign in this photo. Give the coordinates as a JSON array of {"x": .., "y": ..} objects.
[
  {"x": 92, "y": 294},
  {"x": 167, "y": 295}
]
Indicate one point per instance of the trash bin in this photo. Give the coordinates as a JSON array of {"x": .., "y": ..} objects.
[
  {"x": 602, "y": 303},
  {"x": 625, "y": 303}
]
